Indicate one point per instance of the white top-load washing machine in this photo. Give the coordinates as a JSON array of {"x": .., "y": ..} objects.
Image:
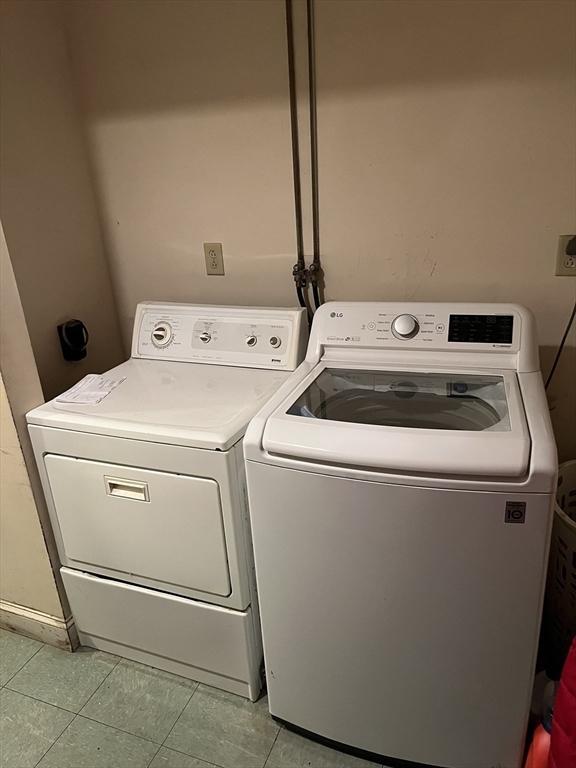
[
  {"x": 401, "y": 488},
  {"x": 146, "y": 490}
]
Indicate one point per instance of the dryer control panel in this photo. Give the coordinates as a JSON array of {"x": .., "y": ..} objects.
[{"x": 253, "y": 337}]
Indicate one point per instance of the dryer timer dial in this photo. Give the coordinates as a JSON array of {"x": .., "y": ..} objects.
[
  {"x": 162, "y": 334},
  {"x": 405, "y": 326}
]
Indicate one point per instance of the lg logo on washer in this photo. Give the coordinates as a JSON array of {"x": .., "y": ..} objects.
[{"x": 336, "y": 314}]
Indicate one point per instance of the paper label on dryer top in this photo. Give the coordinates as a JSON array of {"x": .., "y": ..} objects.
[{"x": 90, "y": 390}]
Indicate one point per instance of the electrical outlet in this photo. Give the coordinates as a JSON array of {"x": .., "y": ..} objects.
[
  {"x": 214, "y": 258},
  {"x": 565, "y": 265}
]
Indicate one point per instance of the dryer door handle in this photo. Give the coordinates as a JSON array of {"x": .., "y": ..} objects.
[{"x": 126, "y": 489}]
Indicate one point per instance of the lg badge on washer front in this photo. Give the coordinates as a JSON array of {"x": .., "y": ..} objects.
[{"x": 515, "y": 512}]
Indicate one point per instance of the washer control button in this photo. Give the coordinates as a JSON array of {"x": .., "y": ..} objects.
[
  {"x": 162, "y": 334},
  {"x": 405, "y": 326},
  {"x": 275, "y": 341},
  {"x": 205, "y": 337},
  {"x": 440, "y": 327},
  {"x": 252, "y": 340}
]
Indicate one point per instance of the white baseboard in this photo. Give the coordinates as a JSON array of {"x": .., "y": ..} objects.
[{"x": 38, "y": 625}]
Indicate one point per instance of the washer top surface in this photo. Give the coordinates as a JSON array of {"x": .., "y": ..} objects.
[
  {"x": 450, "y": 423},
  {"x": 408, "y": 399},
  {"x": 190, "y": 404},
  {"x": 427, "y": 390}
]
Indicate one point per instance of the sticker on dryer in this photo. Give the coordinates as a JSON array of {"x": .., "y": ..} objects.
[{"x": 515, "y": 512}]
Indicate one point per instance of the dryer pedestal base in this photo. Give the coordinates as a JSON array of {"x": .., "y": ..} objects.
[{"x": 207, "y": 643}]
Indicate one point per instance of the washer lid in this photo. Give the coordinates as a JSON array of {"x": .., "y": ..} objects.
[
  {"x": 408, "y": 420},
  {"x": 188, "y": 404}
]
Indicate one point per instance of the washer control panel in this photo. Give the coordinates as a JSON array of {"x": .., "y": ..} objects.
[
  {"x": 250, "y": 337},
  {"x": 422, "y": 325}
]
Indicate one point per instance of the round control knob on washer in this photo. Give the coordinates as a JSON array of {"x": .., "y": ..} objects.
[
  {"x": 205, "y": 337},
  {"x": 162, "y": 334},
  {"x": 405, "y": 326},
  {"x": 275, "y": 341},
  {"x": 252, "y": 341}
]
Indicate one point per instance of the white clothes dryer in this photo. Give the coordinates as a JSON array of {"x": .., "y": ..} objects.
[
  {"x": 146, "y": 490},
  {"x": 401, "y": 485}
]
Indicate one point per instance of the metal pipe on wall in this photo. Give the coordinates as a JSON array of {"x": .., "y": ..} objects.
[
  {"x": 302, "y": 274},
  {"x": 299, "y": 269},
  {"x": 315, "y": 270}
]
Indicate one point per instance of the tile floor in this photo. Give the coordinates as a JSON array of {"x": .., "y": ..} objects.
[{"x": 90, "y": 709}]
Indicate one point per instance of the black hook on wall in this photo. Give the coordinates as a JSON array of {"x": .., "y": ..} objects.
[{"x": 73, "y": 336}]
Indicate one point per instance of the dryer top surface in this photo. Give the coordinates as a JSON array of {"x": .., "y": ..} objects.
[{"x": 189, "y": 404}]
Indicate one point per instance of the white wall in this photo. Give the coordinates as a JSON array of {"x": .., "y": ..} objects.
[
  {"x": 447, "y": 153},
  {"x": 448, "y": 158},
  {"x": 187, "y": 114},
  {"x": 47, "y": 201},
  {"x": 26, "y": 577},
  {"x": 27, "y": 547}
]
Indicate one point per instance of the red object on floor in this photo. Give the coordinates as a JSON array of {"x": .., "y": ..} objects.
[
  {"x": 539, "y": 749},
  {"x": 563, "y": 738}
]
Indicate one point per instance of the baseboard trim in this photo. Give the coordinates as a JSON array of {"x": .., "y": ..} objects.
[{"x": 38, "y": 625}]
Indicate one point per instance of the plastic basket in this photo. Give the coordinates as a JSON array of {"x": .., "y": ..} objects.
[{"x": 561, "y": 587}]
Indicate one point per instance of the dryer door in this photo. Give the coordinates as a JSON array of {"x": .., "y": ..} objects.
[{"x": 155, "y": 525}]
